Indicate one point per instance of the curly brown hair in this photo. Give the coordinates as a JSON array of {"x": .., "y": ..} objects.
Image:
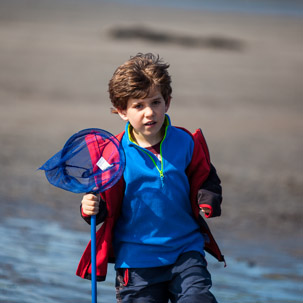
[{"x": 136, "y": 77}]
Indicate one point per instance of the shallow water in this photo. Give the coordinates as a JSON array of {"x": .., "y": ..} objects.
[
  {"x": 265, "y": 7},
  {"x": 38, "y": 261}
]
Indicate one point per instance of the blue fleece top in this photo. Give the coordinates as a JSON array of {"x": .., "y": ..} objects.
[{"x": 156, "y": 223}]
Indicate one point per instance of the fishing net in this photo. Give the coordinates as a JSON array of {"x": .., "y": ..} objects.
[{"x": 91, "y": 160}]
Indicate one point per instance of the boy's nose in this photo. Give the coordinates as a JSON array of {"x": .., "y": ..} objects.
[{"x": 149, "y": 111}]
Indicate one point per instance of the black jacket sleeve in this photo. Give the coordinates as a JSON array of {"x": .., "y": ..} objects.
[{"x": 210, "y": 194}]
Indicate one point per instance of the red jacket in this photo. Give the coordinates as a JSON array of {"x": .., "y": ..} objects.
[{"x": 198, "y": 171}]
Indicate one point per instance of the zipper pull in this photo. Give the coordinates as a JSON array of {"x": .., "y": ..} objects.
[{"x": 162, "y": 178}]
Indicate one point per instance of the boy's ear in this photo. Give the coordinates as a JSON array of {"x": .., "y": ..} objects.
[
  {"x": 122, "y": 114},
  {"x": 167, "y": 104}
]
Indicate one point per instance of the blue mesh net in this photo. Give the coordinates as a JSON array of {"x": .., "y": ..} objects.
[{"x": 92, "y": 160}]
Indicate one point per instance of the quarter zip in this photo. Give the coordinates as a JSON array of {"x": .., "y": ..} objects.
[{"x": 161, "y": 169}]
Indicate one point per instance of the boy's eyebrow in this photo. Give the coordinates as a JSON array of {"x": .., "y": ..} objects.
[
  {"x": 138, "y": 101},
  {"x": 143, "y": 100},
  {"x": 135, "y": 103},
  {"x": 156, "y": 98}
]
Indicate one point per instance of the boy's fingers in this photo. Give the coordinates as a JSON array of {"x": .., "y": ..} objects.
[
  {"x": 205, "y": 210},
  {"x": 92, "y": 197},
  {"x": 90, "y": 202},
  {"x": 90, "y": 206},
  {"x": 90, "y": 210}
]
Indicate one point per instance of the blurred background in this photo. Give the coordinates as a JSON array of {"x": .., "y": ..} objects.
[{"x": 237, "y": 73}]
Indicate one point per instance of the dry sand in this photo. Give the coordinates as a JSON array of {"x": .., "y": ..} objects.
[{"x": 238, "y": 77}]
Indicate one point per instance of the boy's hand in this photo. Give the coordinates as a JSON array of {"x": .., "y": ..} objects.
[
  {"x": 206, "y": 210},
  {"x": 90, "y": 204}
]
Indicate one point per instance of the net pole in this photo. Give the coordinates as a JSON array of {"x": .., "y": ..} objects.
[{"x": 93, "y": 259}]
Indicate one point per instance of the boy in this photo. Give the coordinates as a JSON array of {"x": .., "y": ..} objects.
[{"x": 152, "y": 228}]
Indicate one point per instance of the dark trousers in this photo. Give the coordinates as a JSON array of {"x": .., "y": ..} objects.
[{"x": 186, "y": 281}]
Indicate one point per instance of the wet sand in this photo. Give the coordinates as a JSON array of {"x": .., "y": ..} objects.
[{"x": 238, "y": 77}]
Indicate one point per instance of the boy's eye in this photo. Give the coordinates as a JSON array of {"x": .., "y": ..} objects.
[{"x": 138, "y": 106}]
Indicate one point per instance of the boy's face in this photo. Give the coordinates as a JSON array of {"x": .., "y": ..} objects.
[{"x": 146, "y": 117}]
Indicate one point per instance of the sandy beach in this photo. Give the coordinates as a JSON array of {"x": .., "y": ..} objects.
[{"x": 237, "y": 77}]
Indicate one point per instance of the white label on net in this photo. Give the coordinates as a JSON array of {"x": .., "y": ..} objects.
[{"x": 103, "y": 164}]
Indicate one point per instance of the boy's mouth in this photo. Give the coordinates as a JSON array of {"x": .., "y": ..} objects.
[{"x": 150, "y": 123}]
